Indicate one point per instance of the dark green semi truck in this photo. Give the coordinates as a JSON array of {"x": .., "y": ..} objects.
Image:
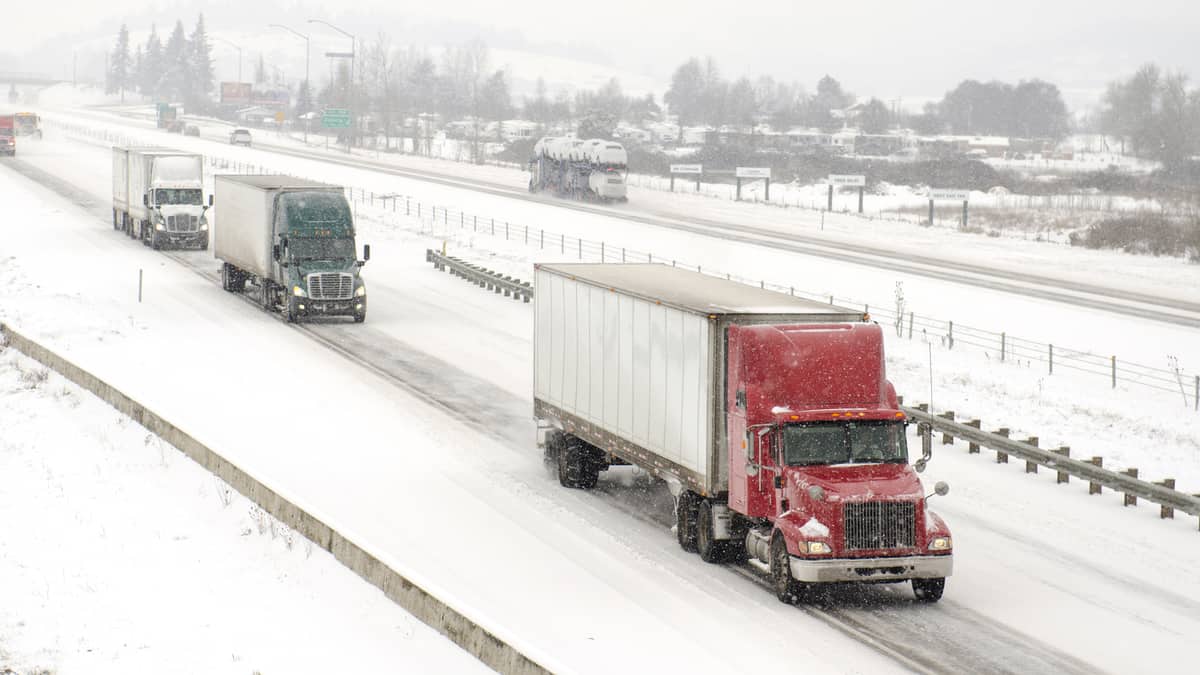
[{"x": 293, "y": 239}]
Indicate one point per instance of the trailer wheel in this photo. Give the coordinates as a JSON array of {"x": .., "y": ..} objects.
[
  {"x": 929, "y": 590},
  {"x": 711, "y": 549},
  {"x": 116, "y": 225},
  {"x": 291, "y": 312},
  {"x": 575, "y": 466},
  {"x": 268, "y": 303},
  {"x": 786, "y": 588},
  {"x": 685, "y": 520}
]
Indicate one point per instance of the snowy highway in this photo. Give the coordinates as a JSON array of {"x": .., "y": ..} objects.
[{"x": 445, "y": 482}]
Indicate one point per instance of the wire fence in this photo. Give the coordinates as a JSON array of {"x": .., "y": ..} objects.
[{"x": 435, "y": 220}]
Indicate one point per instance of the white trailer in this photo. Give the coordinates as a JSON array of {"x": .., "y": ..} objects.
[
  {"x": 579, "y": 169},
  {"x": 158, "y": 196}
]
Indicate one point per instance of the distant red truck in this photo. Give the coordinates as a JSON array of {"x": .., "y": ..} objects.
[
  {"x": 8, "y": 135},
  {"x": 770, "y": 417}
]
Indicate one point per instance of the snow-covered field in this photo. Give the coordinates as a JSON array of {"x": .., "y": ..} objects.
[
  {"x": 120, "y": 555},
  {"x": 1044, "y": 573}
]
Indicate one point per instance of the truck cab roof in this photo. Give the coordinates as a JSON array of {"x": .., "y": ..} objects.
[{"x": 278, "y": 182}]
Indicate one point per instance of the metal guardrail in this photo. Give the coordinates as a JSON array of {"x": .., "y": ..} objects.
[
  {"x": 1163, "y": 494},
  {"x": 482, "y": 277}
]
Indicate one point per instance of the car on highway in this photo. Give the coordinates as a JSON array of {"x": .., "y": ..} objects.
[
  {"x": 240, "y": 137},
  {"x": 191, "y": 130}
]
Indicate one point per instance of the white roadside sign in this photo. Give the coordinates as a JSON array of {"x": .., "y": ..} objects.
[
  {"x": 839, "y": 180},
  {"x": 950, "y": 195},
  {"x": 753, "y": 172},
  {"x": 687, "y": 168}
]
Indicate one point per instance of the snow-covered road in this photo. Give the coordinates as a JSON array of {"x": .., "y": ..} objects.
[{"x": 431, "y": 494}]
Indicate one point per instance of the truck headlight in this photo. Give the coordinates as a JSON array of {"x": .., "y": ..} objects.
[
  {"x": 360, "y": 292},
  {"x": 159, "y": 226},
  {"x": 817, "y": 548},
  {"x": 299, "y": 292},
  {"x": 941, "y": 544},
  {"x": 203, "y": 224}
]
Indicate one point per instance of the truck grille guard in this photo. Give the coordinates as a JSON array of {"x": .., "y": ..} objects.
[
  {"x": 879, "y": 525},
  {"x": 330, "y": 286}
]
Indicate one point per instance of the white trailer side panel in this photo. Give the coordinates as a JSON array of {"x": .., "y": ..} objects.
[
  {"x": 636, "y": 369},
  {"x": 242, "y": 225}
]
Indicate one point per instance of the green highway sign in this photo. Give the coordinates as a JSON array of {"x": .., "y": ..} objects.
[{"x": 336, "y": 118}]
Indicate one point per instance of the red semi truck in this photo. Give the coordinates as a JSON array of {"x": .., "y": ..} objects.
[
  {"x": 8, "y": 135},
  {"x": 770, "y": 418}
]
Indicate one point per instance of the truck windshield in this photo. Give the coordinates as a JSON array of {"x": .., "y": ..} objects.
[
  {"x": 320, "y": 248},
  {"x": 177, "y": 196},
  {"x": 844, "y": 443},
  {"x": 306, "y": 210}
]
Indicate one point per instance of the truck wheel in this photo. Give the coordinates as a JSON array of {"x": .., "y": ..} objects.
[
  {"x": 204, "y": 243},
  {"x": 786, "y": 588},
  {"x": 929, "y": 590},
  {"x": 360, "y": 317},
  {"x": 155, "y": 243},
  {"x": 575, "y": 466},
  {"x": 116, "y": 224},
  {"x": 268, "y": 302},
  {"x": 291, "y": 312},
  {"x": 686, "y": 509},
  {"x": 711, "y": 549}
]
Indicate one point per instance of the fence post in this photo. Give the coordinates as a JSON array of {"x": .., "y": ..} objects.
[
  {"x": 623, "y": 260},
  {"x": 910, "y": 325},
  {"x": 1002, "y": 457},
  {"x": 562, "y": 243},
  {"x": 445, "y": 215},
  {"x": 1052, "y": 359},
  {"x": 580, "y": 242},
  {"x": 407, "y": 207},
  {"x": 973, "y": 448},
  {"x": 526, "y": 235},
  {"x": 1166, "y": 511},
  {"x": 462, "y": 220},
  {"x": 1130, "y": 500},
  {"x": 1003, "y": 345},
  {"x": 950, "y": 337},
  {"x": 1114, "y": 371},
  {"x": 1196, "y": 396},
  {"x": 1063, "y": 476},
  {"x": 601, "y": 251},
  {"x": 1031, "y": 467},
  {"x": 1095, "y": 488},
  {"x": 474, "y": 223},
  {"x": 506, "y": 230},
  {"x": 493, "y": 227},
  {"x": 947, "y": 439}
]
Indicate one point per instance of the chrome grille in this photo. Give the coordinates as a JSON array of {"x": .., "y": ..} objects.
[
  {"x": 879, "y": 525},
  {"x": 330, "y": 286},
  {"x": 183, "y": 223}
]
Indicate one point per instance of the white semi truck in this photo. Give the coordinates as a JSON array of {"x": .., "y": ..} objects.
[
  {"x": 593, "y": 169},
  {"x": 158, "y": 196}
]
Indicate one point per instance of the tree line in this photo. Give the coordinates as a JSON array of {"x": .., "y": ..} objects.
[
  {"x": 180, "y": 70},
  {"x": 1157, "y": 113}
]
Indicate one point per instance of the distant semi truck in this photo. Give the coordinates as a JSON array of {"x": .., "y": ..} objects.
[
  {"x": 8, "y": 135},
  {"x": 592, "y": 169},
  {"x": 28, "y": 124},
  {"x": 293, "y": 239},
  {"x": 158, "y": 196},
  {"x": 770, "y": 418}
]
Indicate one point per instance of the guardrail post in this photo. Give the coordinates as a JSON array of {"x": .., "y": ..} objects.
[
  {"x": 1002, "y": 457},
  {"x": 1130, "y": 500},
  {"x": 1063, "y": 476},
  {"x": 973, "y": 448},
  {"x": 947, "y": 439},
  {"x": 1165, "y": 512},
  {"x": 1096, "y": 488},
  {"x": 1031, "y": 467}
]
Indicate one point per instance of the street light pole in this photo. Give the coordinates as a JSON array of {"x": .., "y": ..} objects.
[
  {"x": 307, "y": 86},
  {"x": 353, "y": 125}
]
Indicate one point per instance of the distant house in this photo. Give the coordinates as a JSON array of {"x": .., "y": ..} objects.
[{"x": 511, "y": 130}]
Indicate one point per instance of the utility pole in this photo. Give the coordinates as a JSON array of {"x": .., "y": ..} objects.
[{"x": 353, "y": 110}]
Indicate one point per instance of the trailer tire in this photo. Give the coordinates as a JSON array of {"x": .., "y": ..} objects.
[
  {"x": 268, "y": 303},
  {"x": 575, "y": 466},
  {"x": 686, "y": 508},
  {"x": 711, "y": 549},
  {"x": 116, "y": 224},
  {"x": 786, "y": 588},
  {"x": 929, "y": 590}
]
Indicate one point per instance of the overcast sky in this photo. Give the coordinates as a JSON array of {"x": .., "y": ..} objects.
[{"x": 878, "y": 48}]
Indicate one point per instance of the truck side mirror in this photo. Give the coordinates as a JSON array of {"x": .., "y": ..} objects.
[
  {"x": 940, "y": 488},
  {"x": 145, "y": 200},
  {"x": 925, "y": 430},
  {"x": 210, "y": 200},
  {"x": 366, "y": 252}
]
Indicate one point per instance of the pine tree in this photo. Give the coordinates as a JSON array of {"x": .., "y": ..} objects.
[
  {"x": 260, "y": 71},
  {"x": 201, "y": 67},
  {"x": 119, "y": 65},
  {"x": 152, "y": 65},
  {"x": 175, "y": 65}
]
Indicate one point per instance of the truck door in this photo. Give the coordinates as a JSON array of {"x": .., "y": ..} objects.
[{"x": 751, "y": 480}]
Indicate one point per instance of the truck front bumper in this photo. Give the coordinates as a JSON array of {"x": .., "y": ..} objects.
[
  {"x": 310, "y": 307},
  {"x": 181, "y": 238},
  {"x": 872, "y": 569}
]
